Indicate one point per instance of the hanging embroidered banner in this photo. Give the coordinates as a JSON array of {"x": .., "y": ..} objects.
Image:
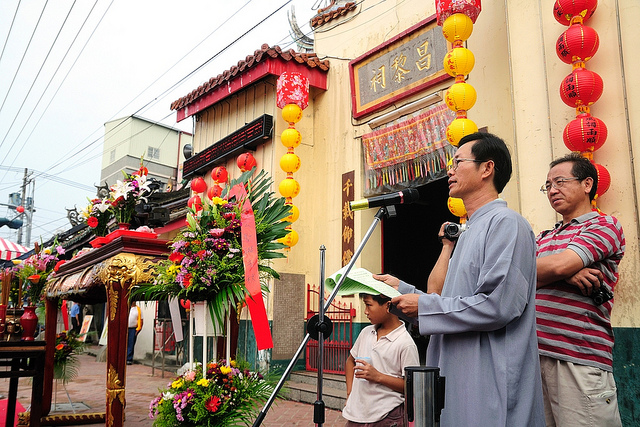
[{"x": 409, "y": 153}]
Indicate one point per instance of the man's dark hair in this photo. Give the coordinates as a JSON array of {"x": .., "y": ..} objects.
[
  {"x": 491, "y": 147},
  {"x": 582, "y": 168},
  {"x": 380, "y": 299}
]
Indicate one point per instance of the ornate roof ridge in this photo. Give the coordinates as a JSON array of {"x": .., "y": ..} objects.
[{"x": 265, "y": 52}]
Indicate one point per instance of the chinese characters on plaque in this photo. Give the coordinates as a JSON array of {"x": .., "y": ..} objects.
[
  {"x": 347, "y": 217},
  {"x": 404, "y": 65}
]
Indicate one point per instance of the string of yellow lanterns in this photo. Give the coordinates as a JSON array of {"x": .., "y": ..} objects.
[
  {"x": 457, "y": 19},
  {"x": 582, "y": 87},
  {"x": 292, "y": 90}
]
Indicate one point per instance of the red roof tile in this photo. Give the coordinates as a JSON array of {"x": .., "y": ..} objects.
[
  {"x": 309, "y": 60},
  {"x": 325, "y": 15}
]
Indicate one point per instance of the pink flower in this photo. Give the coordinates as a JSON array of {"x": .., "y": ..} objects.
[
  {"x": 190, "y": 376},
  {"x": 216, "y": 232}
]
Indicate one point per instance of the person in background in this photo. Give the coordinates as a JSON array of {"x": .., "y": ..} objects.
[
  {"x": 374, "y": 370},
  {"x": 75, "y": 318},
  {"x": 483, "y": 322},
  {"x": 577, "y": 271},
  {"x": 135, "y": 326}
]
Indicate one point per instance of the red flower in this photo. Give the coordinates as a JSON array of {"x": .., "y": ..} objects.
[
  {"x": 59, "y": 347},
  {"x": 176, "y": 257},
  {"x": 34, "y": 278},
  {"x": 201, "y": 254},
  {"x": 213, "y": 404},
  {"x": 58, "y": 264},
  {"x": 92, "y": 222},
  {"x": 187, "y": 280}
]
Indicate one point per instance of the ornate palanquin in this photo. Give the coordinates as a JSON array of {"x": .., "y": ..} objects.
[{"x": 105, "y": 274}]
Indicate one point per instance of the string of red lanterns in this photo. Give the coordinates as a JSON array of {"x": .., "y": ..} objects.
[
  {"x": 457, "y": 18},
  {"x": 581, "y": 88},
  {"x": 292, "y": 91}
]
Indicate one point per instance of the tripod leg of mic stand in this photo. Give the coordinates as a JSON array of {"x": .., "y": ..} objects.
[{"x": 278, "y": 386}]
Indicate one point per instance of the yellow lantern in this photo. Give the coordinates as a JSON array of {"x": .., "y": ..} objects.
[
  {"x": 459, "y": 61},
  {"x": 291, "y": 113},
  {"x": 290, "y": 163},
  {"x": 290, "y": 239},
  {"x": 291, "y": 138},
  {"x": 289, "y": 187},
  {"x": 460, "y": 128},
  {"x": 295, "y": 214},
  {"x": 456, "y": 207},
  {"x": 460, "y": 96},
  {"x": 457, "y": 27}
]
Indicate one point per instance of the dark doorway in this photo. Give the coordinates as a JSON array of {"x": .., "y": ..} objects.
[{"x": 410, "y": 240}]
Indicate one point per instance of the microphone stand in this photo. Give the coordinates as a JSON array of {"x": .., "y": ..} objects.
[{"x": 316, "y": 327}]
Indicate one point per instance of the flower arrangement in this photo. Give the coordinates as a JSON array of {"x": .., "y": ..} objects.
[
  {"x": 206, "y": 260},
  {"x": 65, "y": 359},
  {"x": 33, "y": 271},
  {"x": 97, "y": 215},
  {"x": 221, "y": 395},
  {"x": 125, "y": 194}
]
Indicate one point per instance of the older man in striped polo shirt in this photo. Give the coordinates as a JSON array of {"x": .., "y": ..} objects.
[{"x": 577, "y": 271}]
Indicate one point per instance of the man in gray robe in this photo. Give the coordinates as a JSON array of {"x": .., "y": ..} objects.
[{"x": 480, "y": 305}]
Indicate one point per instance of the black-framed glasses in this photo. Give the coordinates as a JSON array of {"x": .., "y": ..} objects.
[
  {"x": 557, "y": 183},
  {"x": 456, "y": 161}
]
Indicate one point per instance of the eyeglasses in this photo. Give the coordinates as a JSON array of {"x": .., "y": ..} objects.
[
  {"x": 456, "y": 161},
  {"x": 558, "y": 183}
]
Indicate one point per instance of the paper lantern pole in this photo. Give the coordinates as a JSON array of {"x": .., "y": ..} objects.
[{"x": 292, "y": 97}]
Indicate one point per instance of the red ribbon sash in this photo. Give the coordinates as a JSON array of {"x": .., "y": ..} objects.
[{"x": 251, "y": 277}]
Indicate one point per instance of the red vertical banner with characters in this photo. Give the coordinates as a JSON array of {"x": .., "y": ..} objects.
[{"x": 347, "y": 217}]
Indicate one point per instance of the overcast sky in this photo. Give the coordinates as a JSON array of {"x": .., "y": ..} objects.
[{"x": 61, "y": 81}]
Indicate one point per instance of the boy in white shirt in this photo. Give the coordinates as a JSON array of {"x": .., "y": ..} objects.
[{"x": 375, "y": 368}]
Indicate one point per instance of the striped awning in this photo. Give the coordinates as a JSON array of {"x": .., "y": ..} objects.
[{"x": 10, "y": 250}]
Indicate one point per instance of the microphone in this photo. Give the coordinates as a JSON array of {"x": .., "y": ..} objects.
[{"x": 407, "y": 196}]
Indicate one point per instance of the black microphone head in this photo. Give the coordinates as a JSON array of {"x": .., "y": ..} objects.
[{"x": 410, "y": 195}]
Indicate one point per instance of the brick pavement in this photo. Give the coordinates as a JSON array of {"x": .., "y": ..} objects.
[{"x": 141, "y": 387}]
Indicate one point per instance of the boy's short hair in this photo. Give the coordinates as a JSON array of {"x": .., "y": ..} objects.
[{"x": 380, "y": 299}]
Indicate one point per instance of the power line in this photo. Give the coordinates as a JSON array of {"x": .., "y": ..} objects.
[
  {"x": 10, "y": 29},
  {"x": 22, "y": 59},
  {"x": 35, "y": 79},
  {"x": 65, "y": 77}
]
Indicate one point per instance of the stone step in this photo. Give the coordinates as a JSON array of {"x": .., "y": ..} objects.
[
  {"x": 308, "y": 393},
  {"x": 328, "y": 380}
]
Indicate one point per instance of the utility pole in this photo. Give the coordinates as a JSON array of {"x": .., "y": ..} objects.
[
  {"x": 31, "y": 206},
  {"x": 23, "y": 199}
]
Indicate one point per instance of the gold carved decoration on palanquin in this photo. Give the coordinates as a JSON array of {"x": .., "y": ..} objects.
[
  {"x": 122, "y": 269},
  {"x": 114, "y": 390}
]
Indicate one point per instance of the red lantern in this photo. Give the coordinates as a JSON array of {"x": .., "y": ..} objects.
[
  {"x": 198, "y": 185},
  {"x": 604, "y": 179},
  {"x": 292, "y": 88},
  {"x": 577, "y": 44},
  {"x": 195, "y": 203},
  {"x": 581, "y": 88},
  {"x": 20, "y": 209},
  {"x": 585, "y": 133},
  {"x": 219, "y": 174},
  {"x": 564, "y": 10},
  {"x": 246, "y": 162},
  {"x": 446, "y": 8},
  {"x": 214, "y": 191}
]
